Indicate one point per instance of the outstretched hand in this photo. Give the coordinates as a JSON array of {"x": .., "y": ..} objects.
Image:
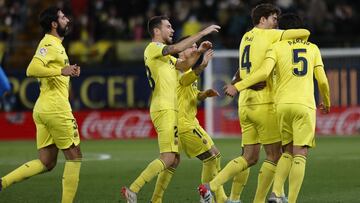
[
  {"x": 230, "y": 90},
  {"x": 324, "y": 109},
  {"x": 210, "y": 29},
  {"x": 204, "y": 46},
  {"x": 211, "y": 93},
  {"x": 207, "y": 57}
]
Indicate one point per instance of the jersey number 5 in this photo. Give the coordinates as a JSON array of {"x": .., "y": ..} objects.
[
  {"x": 245, "y": 59},
  {"x": 151, "y": 80},
  {"x": 297, "y": 59}
]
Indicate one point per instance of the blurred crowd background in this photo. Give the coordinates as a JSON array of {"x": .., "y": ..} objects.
[
  {"x": 114, "y": 31},
  {"x": 108, "y": 39}
]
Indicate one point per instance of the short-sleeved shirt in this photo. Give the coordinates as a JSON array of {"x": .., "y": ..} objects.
[
  {"x": 252, "y": 50},
  {"x": 162, "y": 76},
  {"x": 54, "y": 91},
  {"x": 295, "y": 63}
]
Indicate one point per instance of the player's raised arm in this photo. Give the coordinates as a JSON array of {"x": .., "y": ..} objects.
[
  {"x": 190, "y": 77},
  {"x": 188, "y": 42},
  {"x": 295, "y": 33},
  {"x": 184, "y": 65}
]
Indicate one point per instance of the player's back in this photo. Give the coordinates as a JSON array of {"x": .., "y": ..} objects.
[
  {"x": 162, "y": 77},
  {"x": 252, "y": 50},
  {"x": 295, "y": 63},
  {"x": 54, "y": 91}
]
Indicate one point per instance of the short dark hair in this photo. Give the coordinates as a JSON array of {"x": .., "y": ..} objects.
[
  {"x": 155, "y": 22},
  {"x": 290, "y": 21},
  {"x": 48, "y": 16},
  {"x": 263, "y": 10}
]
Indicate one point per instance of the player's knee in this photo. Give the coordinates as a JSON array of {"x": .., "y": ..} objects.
[
  {"x": 252, "y": 160},
  {"x": 168, "y": 158},
  {"x": 176, "y": 163},
  {"x": 50, "y": 165}
]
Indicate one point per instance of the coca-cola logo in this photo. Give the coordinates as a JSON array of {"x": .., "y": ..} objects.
[
  {"x": 346, "y": 122},
  {"x": 132, "y": 124}
]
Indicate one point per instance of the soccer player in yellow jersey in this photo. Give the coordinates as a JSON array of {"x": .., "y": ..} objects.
[
  {"x": 194, "y": 140},
  {"x": 256, "y": 112},
  {"x": 162, "y": 71},
  {"x": 296, "y": 62},
  {"x": 56, "y": 127}
]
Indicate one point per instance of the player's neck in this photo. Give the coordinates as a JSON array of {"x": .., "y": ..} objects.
[
  {"x": 262, "y": 26},
  {"x": 55, "y": 34},
  {"x": 158, "y": 39}
]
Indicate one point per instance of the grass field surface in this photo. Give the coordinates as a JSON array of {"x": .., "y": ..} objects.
[{"x": 332, "y": 173}]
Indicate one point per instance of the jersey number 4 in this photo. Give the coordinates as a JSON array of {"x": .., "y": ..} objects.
[
  {"x": 245, "y": 59},
  {"x": 297, "y": 59},
  {"x": 151, "y": 80}
]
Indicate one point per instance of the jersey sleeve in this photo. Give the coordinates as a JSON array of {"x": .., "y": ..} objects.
[
  {"x": 155, "y": 50},
  {"x": 323, "y": 84},
  {"x": 45, "y": 53},
  {"x": 275, "y": 34},
  {"x": 318, "y": 58},
  {"x": 271, "y": 53},
  {"x": 321, "y": 78},
  {"x": 258, "y": 76},
  {"x": 37, "y": 68},
  {"x": 188, "y": 78},
  {"x": 295, "y": 33}
]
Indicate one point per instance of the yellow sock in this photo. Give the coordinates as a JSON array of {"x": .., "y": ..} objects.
[
  {"x": 25, "y": 171},
  {"x": 238, "y": 184},
  {"x": 296, "y": 177},
  {"x": 209, "y": 169},
  {"x": 265, "y": 179},
  {"x": 152, "y": 170},
  {"x": 162, "y": 182},
  {"x": 281, "y": 173},
  {"x": 70, "y": 180},
  {"x": 234, "y": 167},
  {"x": 219, "y": 193}
]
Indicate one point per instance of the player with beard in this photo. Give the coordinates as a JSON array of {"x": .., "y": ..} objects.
[
  {"x": 55, "y": 125},
  {"x": 162, "y": 71}
]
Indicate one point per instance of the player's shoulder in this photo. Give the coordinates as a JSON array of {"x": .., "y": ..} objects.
[
  {"x": 155, "y": 45},
  {"x": 152, "y": 47}
]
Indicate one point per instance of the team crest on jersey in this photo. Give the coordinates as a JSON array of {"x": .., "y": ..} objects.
[
  {"x": 43, "y": 51},
  {"x": 159, "y": 44}
]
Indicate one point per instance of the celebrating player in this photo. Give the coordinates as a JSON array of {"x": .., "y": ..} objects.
[
  {"x": 56, "y": 127},
  {"x": 256, "y": 112},
  {"x": 162, "y": 71}
]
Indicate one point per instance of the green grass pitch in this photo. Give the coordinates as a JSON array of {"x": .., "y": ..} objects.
[{"x": 332, "y": 173}]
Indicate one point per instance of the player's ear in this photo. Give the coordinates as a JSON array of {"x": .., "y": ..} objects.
[
  {"x": 156, "y": 31},
  {"x": 54, "y": 24},
  {"x": 262, "y": 20}
]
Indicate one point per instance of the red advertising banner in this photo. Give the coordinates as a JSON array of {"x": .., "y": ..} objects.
[
  {"x": 130, "y": 124},
  {"x": 115, "y": 124},
  {"x": 340, "y": 121}
]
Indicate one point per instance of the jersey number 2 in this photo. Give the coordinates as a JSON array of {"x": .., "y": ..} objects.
[
  {"x": 297, "y": 59},
  {"x": 245, "y": 59}
]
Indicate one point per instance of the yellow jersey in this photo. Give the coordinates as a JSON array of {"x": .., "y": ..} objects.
[
  {"x": 295, "y": 63},
  {"x": 54, "y": 90},
  {"x": 187, "y": 99},
  {"x": 252, "y": 50},
  {"x": 162, "y": 76}
]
